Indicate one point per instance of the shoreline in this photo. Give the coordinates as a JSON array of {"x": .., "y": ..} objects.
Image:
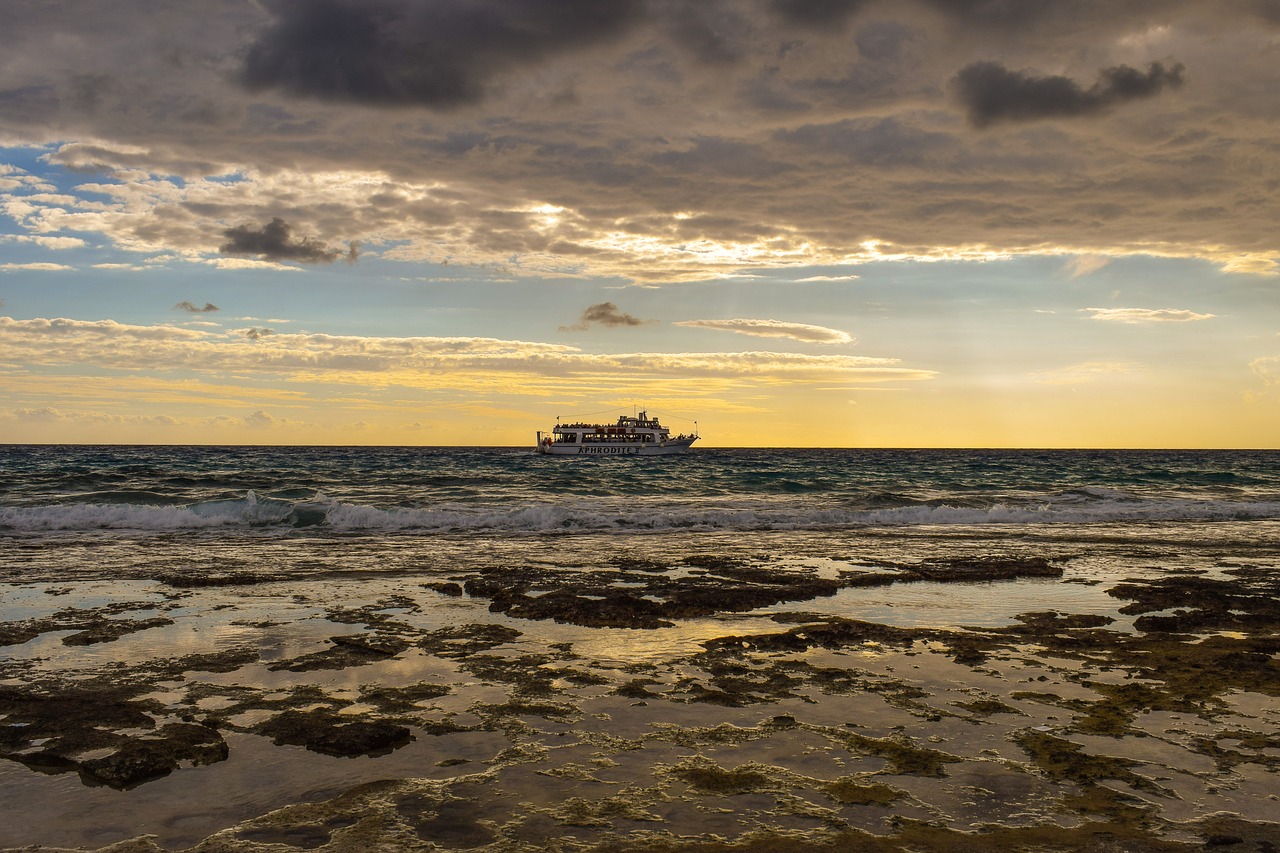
[{"x": 490, "y": 702}]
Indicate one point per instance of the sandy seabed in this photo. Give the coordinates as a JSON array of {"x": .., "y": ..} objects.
[{"x": 884, "y": 692}]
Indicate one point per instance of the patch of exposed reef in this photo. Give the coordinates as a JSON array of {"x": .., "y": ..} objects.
[
  {"x": 1195, "y": 641},
  {"x": 649, "y": 594}
]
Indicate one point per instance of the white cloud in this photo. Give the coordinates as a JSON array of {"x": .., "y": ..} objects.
[
  {"x": 1267, "y": 369},
  {"x": 54, "y": 243},
  {"x": 1083, "y": 265},
  {"x": 41, "y": 329},
  {"x": 36, "y": 267},
  {"x": 1146, "y": 315},
  {"x": 248, "y": 264},
  {"x": 375, "y": 360},
  {"x": 774, "y": 329},
  {"x": 1248, "y": 264}
]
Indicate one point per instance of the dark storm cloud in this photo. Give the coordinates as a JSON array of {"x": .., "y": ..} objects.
[
  {"x": 873, "y": 142},
  {"x": 605, "y": 138},
  {"x": 439, "y": 53},
  {"x": 274, "y": 242},
  {"x": 723, "y": 157},
  {"x": 712, "y": 31},
  {"x": 191, "y": 307},
  {"x": 1013, "y": 14},
  {"x": 603, "y": 314},
  {"x": 991, "y": 92},
  {"x": 1268, "y": 10},
  {"x": 816, "y": 14},
  {"x": 881, "y": 41}
]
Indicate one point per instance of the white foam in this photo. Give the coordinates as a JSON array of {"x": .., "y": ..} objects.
[
  {"x": 756, "y": 514},
  {"x": 246, "y": 512},
  {"x": 765, "y": 516}
]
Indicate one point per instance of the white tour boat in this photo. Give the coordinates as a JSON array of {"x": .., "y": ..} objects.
[{"x": 630, "y": 436}]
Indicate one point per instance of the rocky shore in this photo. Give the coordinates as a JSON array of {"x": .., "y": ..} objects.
[{"x": 521, "y": 707}]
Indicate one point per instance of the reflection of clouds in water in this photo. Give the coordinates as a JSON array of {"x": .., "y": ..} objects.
[
  {"x": 189, "y": 805},
  {"x": 653, "y": 645},
  {"x": 40, "y": 599},
  {"x": 991, "y": 604},
  {"x": 906, "y": 702}
]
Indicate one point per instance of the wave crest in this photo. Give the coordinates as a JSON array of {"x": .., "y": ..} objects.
[
  {"x": 245, "y": 512},
  {"x": 322, "y": 513}
]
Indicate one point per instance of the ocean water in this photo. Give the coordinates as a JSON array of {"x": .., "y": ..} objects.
[
  {"x": 111, "y": 513},
  {"x": 259, "y": 557},
  {"x": 48, "y": 491}
]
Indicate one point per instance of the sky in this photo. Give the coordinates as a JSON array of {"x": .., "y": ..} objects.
[{"x": 829, "y": 223}]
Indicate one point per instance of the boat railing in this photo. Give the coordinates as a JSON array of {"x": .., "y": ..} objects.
[{"x": 632, "y": 423}]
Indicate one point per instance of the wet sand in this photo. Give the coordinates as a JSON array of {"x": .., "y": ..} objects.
[{"x": 692, "y": 694}]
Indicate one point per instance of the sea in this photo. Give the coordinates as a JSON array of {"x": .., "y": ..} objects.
[
  {"x": 56, "y": 492},
  {"x": 264, "y": 554},
  {"x": 241, "y": 505},
  {"x": 111, "y": 513}
]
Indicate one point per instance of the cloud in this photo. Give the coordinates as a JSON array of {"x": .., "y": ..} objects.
[
  {"x": 775, "y": 329},
  {"x": 35, "y": 267},
  {"x": 192, "y": 308},
  {"x": 41, "y": 329},
  {"x": 827, "y": 278},
  {"x": 1088, "y": 371},
  {"x": 42, "y": 415},
  {"x": 274, "y": 242},
  {"x": 654, "y": 141},
  {"x": 1146, "y": 315},
  {"x": 1267, "y": 369},
  {"x": 247, "y": 264},
  {"x": 55, "y": 243},
  {"x": 260, "y": 420},
  {"x": 403, "y": 52},
  {"x": 816, "y": 14},
  {"x": 1084, "y": 265},
  {"x": 991, "y": 93},
  {"x": 884, "y": 142},
  {"x": 53, "y": 415},
  {"x": 604, "y": 314},
  {"x": 435, "y": 362}
]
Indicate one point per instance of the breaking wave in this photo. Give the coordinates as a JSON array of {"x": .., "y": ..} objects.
[
  {"x": 247, "y": 512},
  {"x": 321, "y": 514}
]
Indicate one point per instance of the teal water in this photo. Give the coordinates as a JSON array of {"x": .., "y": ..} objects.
[{"x": 45, "y": 489}]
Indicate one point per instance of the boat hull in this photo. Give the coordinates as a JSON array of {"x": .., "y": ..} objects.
[{"x": 669, "y": 448}]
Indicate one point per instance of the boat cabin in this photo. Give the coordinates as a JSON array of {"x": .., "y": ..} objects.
[{"x": 640, "y": 429}]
